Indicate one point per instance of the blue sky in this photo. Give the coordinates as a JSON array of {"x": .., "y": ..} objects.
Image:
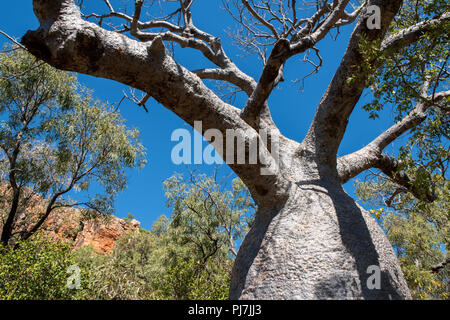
[{"x": 292, "y": 109}]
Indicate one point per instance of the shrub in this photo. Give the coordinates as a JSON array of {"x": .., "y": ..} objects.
[{"x": 36, "y": 269}]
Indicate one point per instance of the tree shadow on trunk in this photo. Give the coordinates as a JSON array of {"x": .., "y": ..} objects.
[
  {"x": 358, "y": 244},
  {"x": 359, "y": 234},
  {"x": 251, "y": 246}
]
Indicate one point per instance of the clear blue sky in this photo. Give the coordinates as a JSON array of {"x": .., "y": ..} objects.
[{"x": 292, "y": 109}]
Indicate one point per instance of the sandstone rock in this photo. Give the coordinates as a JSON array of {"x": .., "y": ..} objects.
[
  {"x": 69, "y": 224},
  {"x": 102, "y": 235}
]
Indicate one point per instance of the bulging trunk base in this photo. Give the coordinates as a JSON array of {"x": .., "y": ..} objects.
[{"x": 319, "y": 245}]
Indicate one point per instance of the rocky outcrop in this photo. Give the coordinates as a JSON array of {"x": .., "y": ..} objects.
[
  {"x": 102, "y": 235},
  {"x": 70, "y": 224}
]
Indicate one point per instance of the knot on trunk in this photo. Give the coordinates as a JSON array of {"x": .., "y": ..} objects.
[
  {"x": 35, "y": 44},
  {"x": 50, "y": 10}
]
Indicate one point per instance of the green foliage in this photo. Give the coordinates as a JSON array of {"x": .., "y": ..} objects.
[
  {"x": 136, "y": 269},
  {"x": 93, "y": 145},
  {"x": 54, "y": 138},
  {"x": 407, "y": 78},
  {"x": 36, "y": 269},
  {"x": 418, "y": 231},
  {"x": 206, "y": 218},
  {"x": 399, "y": 79},
  {"x": 188, "y": 280}
]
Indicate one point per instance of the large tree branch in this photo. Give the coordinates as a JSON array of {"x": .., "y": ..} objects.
[
  {"x": 331, "y": 118},
  {"x": 371, "y": 155},
  {"x": 67, "y": 42},
  {"x": 349, "y": 166},
  {"x": 187, "y": 35},
  {"x": 412, "y": 34},
  {"x": 338, "y": 102}
]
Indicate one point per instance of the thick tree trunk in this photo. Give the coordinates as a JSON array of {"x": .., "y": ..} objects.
[{"x": 319, "y": 244}]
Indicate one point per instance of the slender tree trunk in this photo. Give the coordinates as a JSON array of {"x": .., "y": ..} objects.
[
  {"x": 318, "y": 244},
  {"x": 8, "y": 226},
  {"x": 38, "y": 224}
]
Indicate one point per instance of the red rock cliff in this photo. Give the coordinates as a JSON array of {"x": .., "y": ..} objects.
[{"x": 100, "y": 231}]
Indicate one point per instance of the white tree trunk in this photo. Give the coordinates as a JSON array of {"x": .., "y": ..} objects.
[{"x": 318, "y": 245}]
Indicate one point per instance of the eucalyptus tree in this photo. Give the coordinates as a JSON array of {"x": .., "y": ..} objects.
[
  {"x": 55, "y": 138},
  {"x": 309, "y": 238},
  {"x": 187, "y": 255},
  {"x": 208, "y": 216}
]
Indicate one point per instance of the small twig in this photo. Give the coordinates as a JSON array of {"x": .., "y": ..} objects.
[
  {"x": 389, "y": 202},
  {"x": 140, "y": 102},
  {"x": 13, "y": 40},
  {"x": 440, "y": 266},
  {"x": 119, "y": 103}
]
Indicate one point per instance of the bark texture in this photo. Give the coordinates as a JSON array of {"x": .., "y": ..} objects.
[{"x": 318, "y": 245}]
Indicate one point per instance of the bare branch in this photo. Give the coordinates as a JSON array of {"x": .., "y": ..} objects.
[
  {"x": 412, "y": 34},
  {"x": 12, "y": 39},
  {"x": 273, "y": 70},
  {"x": 440, "y": 266},
  {"x": 145, "y": 67},
  {"x": 270, "y": 77},
  {"x": 349, "y": 18},
  {"x": 139, "y": 101},
  {"x": 248, "y": 85},
  {"x": 260, "y": 19},
  {"x": 187, "y": 36}
]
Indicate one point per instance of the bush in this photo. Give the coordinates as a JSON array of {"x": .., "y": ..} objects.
[
  {"x": 142, "y": 266},
  {"x": 36, "y": 269}
]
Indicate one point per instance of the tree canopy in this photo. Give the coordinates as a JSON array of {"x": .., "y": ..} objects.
[{"x": 55, "y": 138}]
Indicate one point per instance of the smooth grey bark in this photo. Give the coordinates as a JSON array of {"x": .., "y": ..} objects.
[
  {"x": 310, "y": 240},
  {"x": 318, "y": 245}
]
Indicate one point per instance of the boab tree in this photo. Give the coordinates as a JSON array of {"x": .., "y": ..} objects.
[{"x": 309, "y": 238}]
